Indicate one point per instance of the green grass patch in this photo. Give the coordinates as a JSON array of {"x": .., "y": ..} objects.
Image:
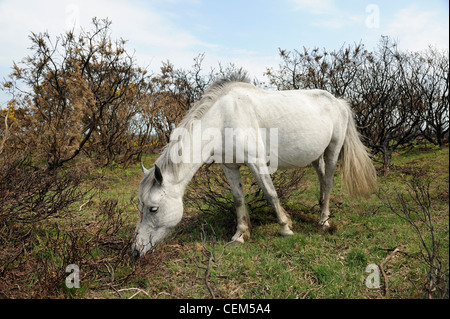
[{"x": 309, "y": 264}]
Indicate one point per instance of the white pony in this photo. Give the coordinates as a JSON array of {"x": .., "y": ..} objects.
[{"x": 236, "y": 123}]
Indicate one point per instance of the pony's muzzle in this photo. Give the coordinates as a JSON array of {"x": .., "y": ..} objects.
[
  {"x": 136, "y": 251},
  {"x": 139, "y": 249}
]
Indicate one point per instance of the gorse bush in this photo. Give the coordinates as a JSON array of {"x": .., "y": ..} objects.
[
  {"x": 82, "y": 93},
  {"x": 42, "y": 231},
  {"x": 85, "y": 94},
  {"x": 396, "y": 96},
  {"x": 209, "y": 190},
  {"x": 30, "y": 194}
]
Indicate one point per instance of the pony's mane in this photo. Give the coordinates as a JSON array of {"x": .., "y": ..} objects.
[{"x": 216, "y": 90}]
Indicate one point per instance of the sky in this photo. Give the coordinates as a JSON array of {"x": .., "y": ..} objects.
[{"x": 247, "y": 33}]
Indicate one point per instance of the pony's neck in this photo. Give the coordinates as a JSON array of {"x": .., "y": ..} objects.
[
  {"x": 186, "y": 173},
  {"x": 188, "y": 139}
]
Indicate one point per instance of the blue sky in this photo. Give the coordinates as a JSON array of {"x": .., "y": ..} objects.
[{"x": 245, "y": 32}]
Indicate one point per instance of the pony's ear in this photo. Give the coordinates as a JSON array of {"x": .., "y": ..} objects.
[
  {"x": 144, "y": 170},
  {"x": 158, "y": 175}
]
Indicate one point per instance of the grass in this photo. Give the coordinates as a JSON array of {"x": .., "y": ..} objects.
[{"x": 309, "y": 264}]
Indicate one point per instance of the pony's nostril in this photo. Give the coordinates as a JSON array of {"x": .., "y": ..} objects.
[{"x": 136, "y": 253}]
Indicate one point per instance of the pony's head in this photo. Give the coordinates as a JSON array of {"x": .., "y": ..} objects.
[{"x": 160, "y": 209}]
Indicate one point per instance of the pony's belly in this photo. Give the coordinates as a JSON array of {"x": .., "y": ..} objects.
[
  {"x": 301, "y": 139},
  {"x": 301, "y": 149},
  {"x": 292, "y": 159}
]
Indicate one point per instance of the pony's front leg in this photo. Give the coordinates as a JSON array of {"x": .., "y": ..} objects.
[
  {"x": 262, "y": 176},
  {"x": 243, "y": 220}
]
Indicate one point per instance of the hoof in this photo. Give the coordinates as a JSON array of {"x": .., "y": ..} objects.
[
  {"x": 238, "y": 238},
  {"x": 286, "y": 232},
  {"x": 325, "y": 226}
]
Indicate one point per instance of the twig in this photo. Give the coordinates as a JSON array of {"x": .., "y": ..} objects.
[
  {"x": 110, "y": 270},
  {"x": 207, "y": 279},
  {"x": 393, "y": 249},
  {"x": 211, "y": 256},
  {"x": 117, "y": 292},
  {"x": 6, "y": 133},
  {"x": 386, "y": 283},
  {"x": 135, "y": 294},
  {"x": 166, "y": 294},
  {"x": 81, "y": 206},
  {"x": 139, "y": 290}
]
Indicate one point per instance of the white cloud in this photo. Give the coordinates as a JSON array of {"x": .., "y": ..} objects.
[
  {"x": 315, "y": 6},
  {"x": 255, "y": 65},
  {"x": 151, "y": 33},
  {"x": 328, "y": 14},
  {"x": 417, "y": 29},
  {"x": 154, "y": 35}
]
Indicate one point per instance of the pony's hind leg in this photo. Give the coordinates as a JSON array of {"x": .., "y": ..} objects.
[
  {"x": 262, "y": 176},
  {"x": 325, "y": 171},
  {"x": 243, "y": 220},
  {"x": 319, "y": 166}
]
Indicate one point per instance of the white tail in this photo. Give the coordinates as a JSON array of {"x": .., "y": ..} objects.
[{"x": 359, "y": 174}]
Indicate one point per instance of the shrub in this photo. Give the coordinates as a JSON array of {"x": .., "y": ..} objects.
[
  {"x": 209, "y": 190},
  {"x": 43, "y": 230}
]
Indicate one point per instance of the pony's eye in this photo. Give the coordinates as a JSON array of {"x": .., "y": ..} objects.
[{"x": 153, "y": 209}]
